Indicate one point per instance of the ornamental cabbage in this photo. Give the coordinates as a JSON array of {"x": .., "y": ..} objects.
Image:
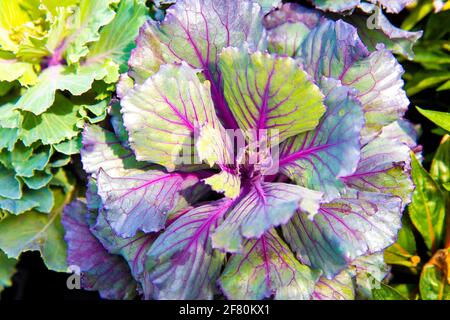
[{"x": 252, "y": 153}]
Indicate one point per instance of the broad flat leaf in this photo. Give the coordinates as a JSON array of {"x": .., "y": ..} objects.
[
  {"x": 384, "y": 167},
  {"x": 378, "y": 78},
  {"x": 145, "y": 60},
  {"x": 369, "y": 271},
  {"x": 37, "y": 160},
  {"x": 41, "y": 200},
  {"x": 41, "y": 96},
  {"x": 10, "y": 186},
  {"x": 8, "y": 138},
  {"x": 117, "y": 38},
  {"x": 267, "y": 268},
  {"x": 89, "y": 17},
  {"x": 435, "y": 280},
  {"x": 266, "y": 92},
  {"x": 339, "y": 288},
  {"x": 225, "y": 182},
  {"x": 144, "y": 200},
  {"x": 39, "y": 179},
  {"x": 181, "y": 262},
  {"x": 196, "y": 32},
  {"x": 55, "y": 125},
  {"x": 440, "y": 170},
  {"x": 35, "y": 231},
  {"x": 69, "y": 147},
  {"x": 11, "y": 69},
  {"x": 377, "y": 29},
  {"x": 404, "y": 251},
  {"x": 10, "y": 117},
  {"x": 133, "y": 250},
  {"x": 427, "y": 210},
  {"x": 264, "y": 206},
  {"x": 401, "y": 130},
  {"x": 7, "y": 270},
  {"x": 331, "y": 49},
  {"x": 334, "y": 50},
  {"x": 385, "y": 292},
  {"x": 109, "y": 274},
  {"x": 102, "y": 149},
  {"x": 162, "y": 115},
  {"x": 359, "y": 223},
  {"x": 314, "y": 159},
  {"x": 442, "y": 119},
  {"x": 288, "y": 27}
]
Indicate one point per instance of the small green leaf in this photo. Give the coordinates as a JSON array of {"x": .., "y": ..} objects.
[
  {"x": 403, "y": 252},
  {"x": 447, "y": 186},
  {"x": 419, "y": 12},
  {"x": 69, "y": 147},
  {"x": 435, "y": 277},
  {"x": 427, "y": 210},
  {"x": 426, "y": 79},
  {"x": 442, "y": 119},
  {"x": 385, "y": 292},
  {"x": 440, "y": 167}
]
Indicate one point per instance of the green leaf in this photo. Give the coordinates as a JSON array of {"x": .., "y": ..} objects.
[
  {"x": 444, "y": 87},
  {"x": 37, "y": 160},
  {"x": 8, "y": 138},
  {"x": 6, "y": 270},
  {"x": 11, "y": 69},
  {"x": 442, "y": 119},
  {"x": 403, "y": 252},
  {"x": 427, "y": 210},
  {"x": 385, "y": 292},
  {"x": 440, "y": 166},
  {"x": 39, "y": 180},
  {"x": 409, "y": 290},
  {"x": 417, "y": 14},
  {"x": 89, "y": 17},
  {"x": 435, "y": 278},
  {"x": 9, "y": 185},
  {"x": 117, "y": 38},
  {"x": 54, "y": 126},
  {"x": 447, "y": 186},
  {"x": 268, "y": 92},
  {"x": 41, "y": 97},
  {"x": 69, "y": 147},
  {"x": 36, "y": 231},
  {"x": 426, "y": 79}
]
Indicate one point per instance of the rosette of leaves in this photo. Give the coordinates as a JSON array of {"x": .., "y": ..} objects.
[
  {"x": 59, "y": 61},
  {"x": 305, "y": 206}
]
